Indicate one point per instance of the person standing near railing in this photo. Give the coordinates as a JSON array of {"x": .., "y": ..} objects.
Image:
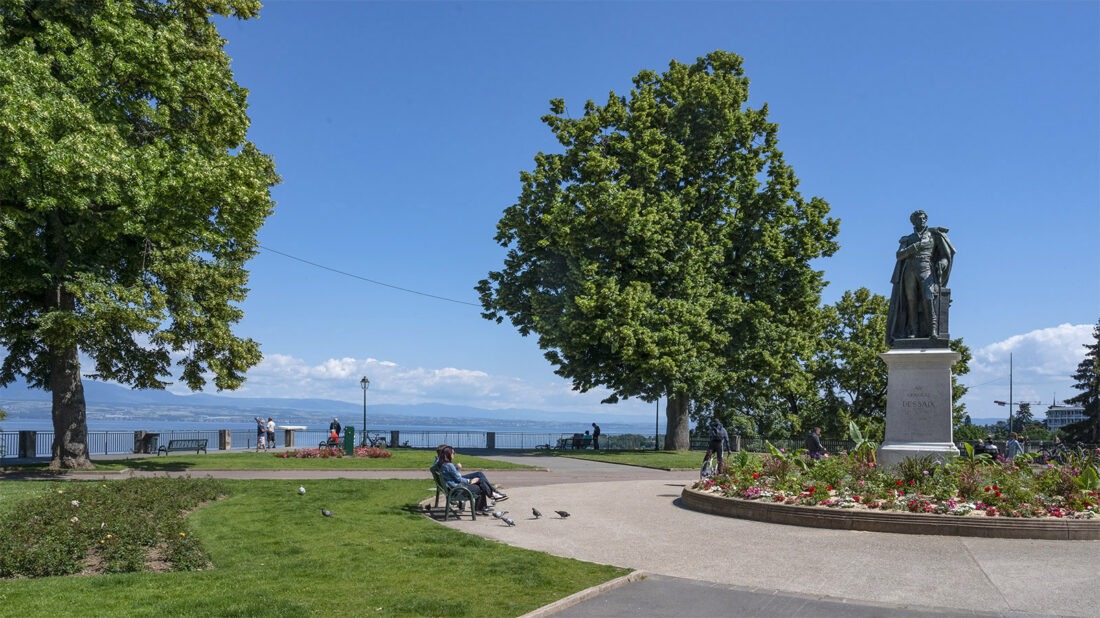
[
  {"x": 261, "y": 433},
  {"x": 270, "y": 433}
]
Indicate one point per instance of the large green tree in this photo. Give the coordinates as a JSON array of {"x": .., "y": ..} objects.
[
  {"x": 849, "y": 372},
  {"x": 130, "y": 199},
  {"x": 666, "y": 251},
  {"x": 1087, "y": 381}
]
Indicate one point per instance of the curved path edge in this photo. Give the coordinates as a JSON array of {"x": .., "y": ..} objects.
[{"x": 890, "y": 521}]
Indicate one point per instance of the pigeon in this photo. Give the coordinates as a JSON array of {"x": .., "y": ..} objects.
[
  {"x": 499, "y": 514},
  {"x": 301, "y": 491},
  {"x": 326, "y": 512},
  {"x": 508, "y": 520},
  {"x": 536, "y": 513},
  {"x": 562, "y": 514}
]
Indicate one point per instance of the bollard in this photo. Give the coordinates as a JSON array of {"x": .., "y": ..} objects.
[
  {"x": 491, "y": 440},
  {"x": 225, "y": 439},
  {"x": 28, "y": 444},
  {"x": 395, "y": 436}
]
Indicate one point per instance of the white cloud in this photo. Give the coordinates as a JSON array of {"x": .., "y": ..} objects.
[
  {"x": 280, "y": 375},
  {"x": 1042, "y": 362}
]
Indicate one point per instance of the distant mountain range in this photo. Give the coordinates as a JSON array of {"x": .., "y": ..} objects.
[{"x": 109, "y": 400}]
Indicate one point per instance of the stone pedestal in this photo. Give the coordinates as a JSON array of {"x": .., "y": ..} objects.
[{"x": 918, "y": 405}]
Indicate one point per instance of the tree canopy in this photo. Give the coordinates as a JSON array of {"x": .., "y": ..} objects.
[
  {"x": 1087, "y": 382},
  {"x": 666, "y": 251},
  {"x": 130, "y": 199}
]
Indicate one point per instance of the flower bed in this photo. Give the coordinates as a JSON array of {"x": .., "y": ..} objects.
[
  {"x": 372, "y": 452},
  {"x": 970, "y": 488}
]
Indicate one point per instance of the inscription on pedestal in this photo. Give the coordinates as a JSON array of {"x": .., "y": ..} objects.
[{"x": 921, "y": 413}]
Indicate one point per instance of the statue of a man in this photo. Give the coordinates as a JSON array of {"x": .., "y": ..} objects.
[{"x": 924, "y": 261}]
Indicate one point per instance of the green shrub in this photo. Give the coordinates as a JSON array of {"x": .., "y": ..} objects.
[{"x": 115, "y": 528}]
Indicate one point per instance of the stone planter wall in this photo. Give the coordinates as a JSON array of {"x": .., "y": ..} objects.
[{"x": 893, "y": 521}]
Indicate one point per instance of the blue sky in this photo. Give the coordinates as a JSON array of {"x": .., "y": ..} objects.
[{"x": 400, "y": 129}]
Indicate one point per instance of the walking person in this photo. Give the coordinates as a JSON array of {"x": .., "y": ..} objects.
[
  {"x": 270, "y": 433},
  {"x": 334, "y": 426},
  {"x": 813, "y": 444},
  {"x": 595, "y": 436}
]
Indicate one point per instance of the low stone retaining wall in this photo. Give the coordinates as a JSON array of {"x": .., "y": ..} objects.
[{"x": 893, "y": 521}]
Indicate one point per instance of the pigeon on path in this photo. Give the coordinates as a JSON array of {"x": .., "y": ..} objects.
[
  {"x": 301, "y": 490},
  {"x": 562, "y": 514},
  {"x": 536, "y": 513},
  {"x": 499, "y": 514},
  {"x": 508, "y": 520},
  {"x": 326, "y": 512}
]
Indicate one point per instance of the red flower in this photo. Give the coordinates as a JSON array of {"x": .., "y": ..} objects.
[
  {"x": 755, "y": 475},
  {"x": 900, "y": 483}
]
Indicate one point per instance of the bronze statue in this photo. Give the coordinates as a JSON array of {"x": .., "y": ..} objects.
[{"x": 917, "y": 301}]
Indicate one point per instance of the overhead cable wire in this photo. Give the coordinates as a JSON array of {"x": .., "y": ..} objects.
[{"x": 354, "y": 276}]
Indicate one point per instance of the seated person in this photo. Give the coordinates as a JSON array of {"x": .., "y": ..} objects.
[
  {"x": 333, "y": 438},
  {"x": 476, "y": 478},
  {"x": 449, "y": 472}
]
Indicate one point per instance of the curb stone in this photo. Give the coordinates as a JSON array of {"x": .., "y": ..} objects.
[{"x": 584, "y": 595}]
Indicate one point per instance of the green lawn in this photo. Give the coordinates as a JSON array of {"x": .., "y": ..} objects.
[
  {"x": 402, "y": 459},
  {"x": 275, "y": 555},
  {"x": 662, "y": 460}
]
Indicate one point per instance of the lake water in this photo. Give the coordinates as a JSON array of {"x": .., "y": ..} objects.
[{"x": 482, "y": 425}]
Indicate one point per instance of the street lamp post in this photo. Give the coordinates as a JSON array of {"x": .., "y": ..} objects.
[
  {"x": 1010, "y": 401},
  {"x": 365, "y": 383}
]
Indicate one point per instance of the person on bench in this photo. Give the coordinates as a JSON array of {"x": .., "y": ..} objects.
[
  {"x": 449, "y": 471},
  {"x": 474, "y": 477}
]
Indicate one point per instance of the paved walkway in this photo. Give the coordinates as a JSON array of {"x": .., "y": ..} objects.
[{"x": 702, "y": 565}]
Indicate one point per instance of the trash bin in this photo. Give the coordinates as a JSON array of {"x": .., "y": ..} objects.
[
  {"x": 349, "y": 440},
  {"x": 149, "y": 442}
]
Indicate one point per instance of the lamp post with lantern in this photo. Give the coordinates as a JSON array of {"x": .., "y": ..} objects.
[{"x": 365, "y": 383}]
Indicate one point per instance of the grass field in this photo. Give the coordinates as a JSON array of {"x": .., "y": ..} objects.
[
  {"x": 662, "y": 460},
  {"x": 275, "y": 555}
]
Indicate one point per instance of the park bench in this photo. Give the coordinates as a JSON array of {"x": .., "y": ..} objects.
[
  {"x": 574, "y": 441},
  {"x": 457, "y": 495},
  {"x": 330, "y": 444},
  {"x": 193, "y": 444}
]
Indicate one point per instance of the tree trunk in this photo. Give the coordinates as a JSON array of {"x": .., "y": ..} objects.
[
  {"x": 677, "y": 432},
  {"x": 70, "y": 423}
]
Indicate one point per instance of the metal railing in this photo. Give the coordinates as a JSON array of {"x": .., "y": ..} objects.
[{"x": 122, "y": 442}]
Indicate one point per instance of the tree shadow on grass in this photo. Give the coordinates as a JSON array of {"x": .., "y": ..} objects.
[{"x": 156, "y": 465}]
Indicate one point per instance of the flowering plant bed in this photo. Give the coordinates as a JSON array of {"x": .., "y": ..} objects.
[
  {"x": 371, "y": 452},
  {"x": 965, "y": 487}
]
